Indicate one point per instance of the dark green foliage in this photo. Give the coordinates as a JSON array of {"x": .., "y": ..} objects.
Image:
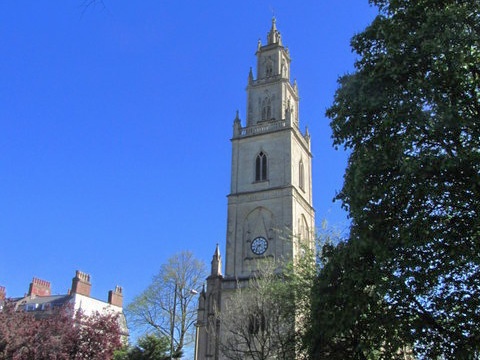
[
  {"x": 149, "y": 347},
  {"x": 410, "y": 115}
]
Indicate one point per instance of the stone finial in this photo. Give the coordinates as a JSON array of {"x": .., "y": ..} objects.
[
  {"x": 3, "y": 293},
  {"x": 237, "y": 125},
  {"x": 217, "y": 263},
  {"x": 307, "y": 136},
  {"x": 217, "y": 252},
  {"x": 250, "y": 76},
  {"x": 288, "y": 116}
]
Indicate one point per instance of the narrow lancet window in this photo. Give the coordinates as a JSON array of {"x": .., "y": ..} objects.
[
  {"x": 261, "y": 167},
  {"x": 269, "y": 67},
  {"x": 266, "y": 109},
  {"x": 269, "y": 71},
  {"x": 301, "y": 175}
]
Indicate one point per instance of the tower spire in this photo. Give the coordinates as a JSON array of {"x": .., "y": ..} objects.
[{"x": 273, "y": 36}]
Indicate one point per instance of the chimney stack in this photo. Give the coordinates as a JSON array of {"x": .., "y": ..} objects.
[
  {"x": 3, "y": 293},
  {"x": 39, "y": 287},
  {"x": 81, "y": 284},
  {"x": 115, "y": 297}
]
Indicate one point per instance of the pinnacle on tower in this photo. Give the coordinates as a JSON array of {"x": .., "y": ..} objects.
[{"x": 217, "y": 263}]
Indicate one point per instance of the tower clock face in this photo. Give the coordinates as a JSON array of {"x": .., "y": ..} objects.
[{"x": 259, "y": 245}]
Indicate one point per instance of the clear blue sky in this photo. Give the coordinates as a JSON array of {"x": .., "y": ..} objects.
[{"x": 115, "y": 123}]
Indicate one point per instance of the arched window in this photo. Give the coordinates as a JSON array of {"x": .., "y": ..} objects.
[
  {"x": 266, "y": 109},
  {"x": 261, "y": 167},
  {"x": 269, "y": 67},
  {"x": 304, "y": 230},
  {"x": 301, "y": 175},
  {"x": 257, "y": 322}
]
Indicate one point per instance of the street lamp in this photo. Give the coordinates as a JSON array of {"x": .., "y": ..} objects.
[
  {"x": 172, "y": 323},
  {"x": 195, "y": 350}
]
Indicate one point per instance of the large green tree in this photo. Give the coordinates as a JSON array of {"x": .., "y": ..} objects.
[{"x": 410, "y": 117}]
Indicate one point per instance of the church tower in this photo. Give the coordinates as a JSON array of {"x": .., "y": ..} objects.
[{"x": 270, "y": 202}]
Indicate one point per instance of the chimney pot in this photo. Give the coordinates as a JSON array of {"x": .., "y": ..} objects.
[
  {"x": 115, "y": 297},
  {"x": 39, "y": 287},
  {"x": 81, "y": 283}
]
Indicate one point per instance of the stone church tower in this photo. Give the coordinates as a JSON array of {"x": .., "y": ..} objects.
[{"x": 270, "y": 200}]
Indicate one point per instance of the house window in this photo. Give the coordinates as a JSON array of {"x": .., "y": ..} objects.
[
  {"x": 261, "y": 167},
  {"x": 31, "y": 307},
  {"x": 301, "y": 175}
]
